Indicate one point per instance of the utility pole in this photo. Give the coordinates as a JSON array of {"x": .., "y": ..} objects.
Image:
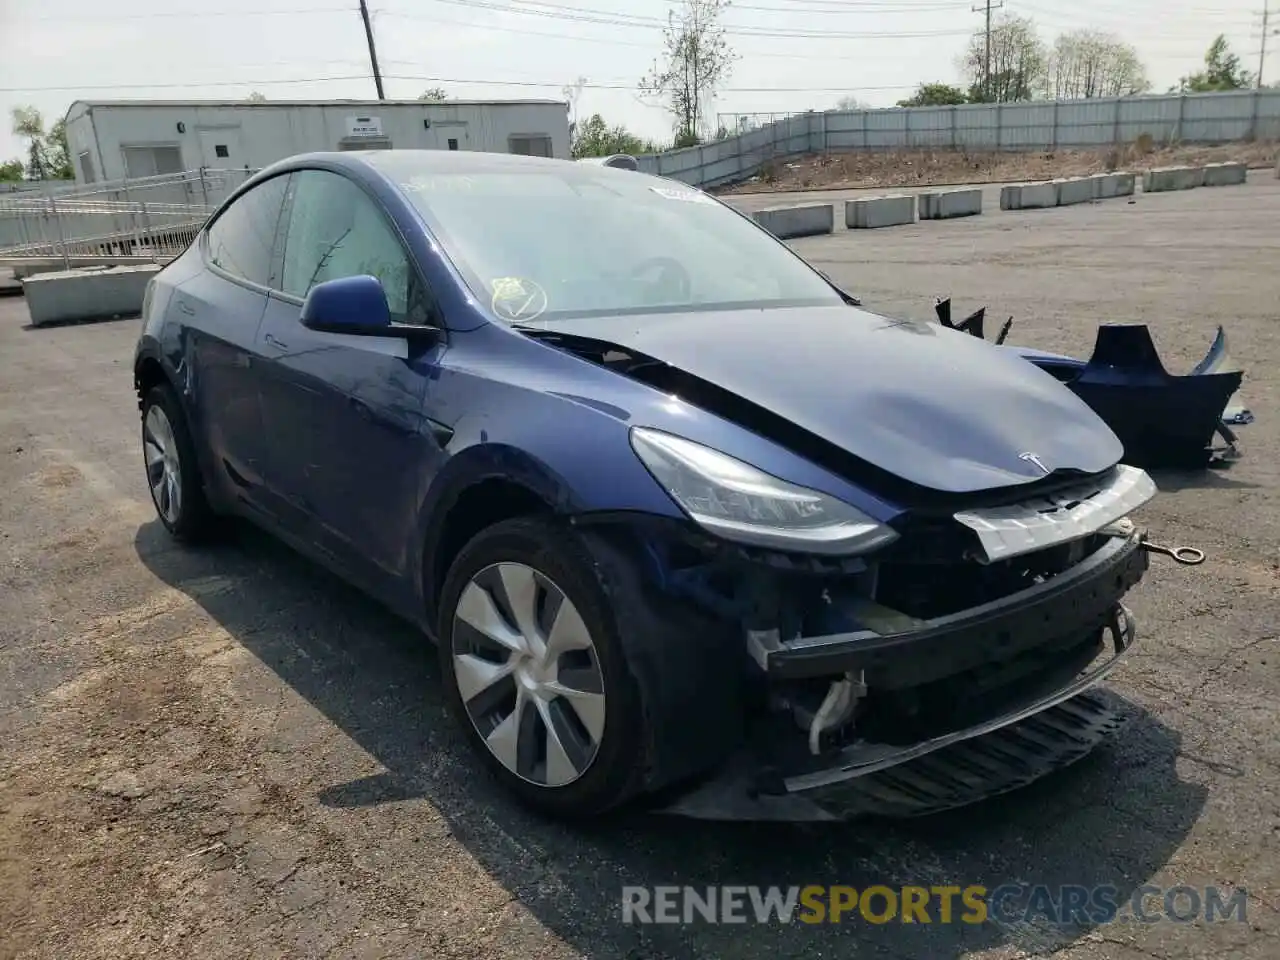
[
  {"x": 373, "y": 51},
  {"x": 986, "y": 73},
  {"x": 1266, "y": 29}
]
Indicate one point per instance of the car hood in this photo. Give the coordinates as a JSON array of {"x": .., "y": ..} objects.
[{"x": 934, "y": 407}]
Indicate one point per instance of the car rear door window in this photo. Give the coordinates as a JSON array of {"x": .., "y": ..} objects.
[
  {"x": 241, "y": 239},
  {"x": 336, "y": 230}
]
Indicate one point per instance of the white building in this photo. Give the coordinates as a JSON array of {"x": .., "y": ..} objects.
[{"x": 121, "y": 138}]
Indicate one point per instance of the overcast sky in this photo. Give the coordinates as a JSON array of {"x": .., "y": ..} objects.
[{"x": 794, "y": 54}]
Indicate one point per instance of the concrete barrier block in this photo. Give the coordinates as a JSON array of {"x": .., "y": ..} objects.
[
  {"x": 1107, "y": 186},
  {"x": 1162, "y": 179},
  {"x": 945, "y": 204},
  {"x": 86, "y": 294},
  {"x": 874, "y": 212},
  {"x": 806, "y": 220},
  {"x": 1225, "y": 174},
  {"x": 1028, "y": 196},
  {"x": 1073, "y": 190}
]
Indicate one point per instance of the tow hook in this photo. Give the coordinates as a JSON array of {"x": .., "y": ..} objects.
[{"x": 1187, "y": 556}]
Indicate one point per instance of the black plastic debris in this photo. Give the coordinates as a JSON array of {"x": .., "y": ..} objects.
[{"x": 1163, "y": 420}]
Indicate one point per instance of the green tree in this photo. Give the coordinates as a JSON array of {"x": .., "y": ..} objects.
[
  {"x": 1222, "y": 71},
  {"x": 434, "y": 95},
  {"x": 595, "y": 138},
  {"x": 28, "y": 123},
  {"x": 58, "y": 152},
  {"x": 935, "y": 95},
  {"x": 11, "y": 171},
  {"x": 696, "y": 60}
]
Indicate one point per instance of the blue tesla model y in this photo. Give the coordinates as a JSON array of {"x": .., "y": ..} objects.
[{"x": 679, "y": 515}]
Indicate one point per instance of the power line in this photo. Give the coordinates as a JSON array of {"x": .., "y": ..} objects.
[
  {"x": 181, "y": 15},
  {"x": 473, "y": 81},
  {"x": 639, "y": 21}
]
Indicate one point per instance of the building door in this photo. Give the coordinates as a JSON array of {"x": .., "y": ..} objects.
[
  {"x": 220, "y": 149},
  {"x": 450, "y": 135}
]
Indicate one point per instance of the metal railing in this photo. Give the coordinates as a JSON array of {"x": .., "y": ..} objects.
[{"x": 143, "y": 220}]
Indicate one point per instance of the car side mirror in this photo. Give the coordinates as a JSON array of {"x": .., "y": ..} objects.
[{"x": 353, "y": 305}]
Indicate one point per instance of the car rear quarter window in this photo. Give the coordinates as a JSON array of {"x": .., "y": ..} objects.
[{"x": 242, "y": 238}]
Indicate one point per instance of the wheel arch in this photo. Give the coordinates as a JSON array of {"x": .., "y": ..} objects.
[
  {"x": 150, "y": 372},
  {"x": 479, "y": 487}
]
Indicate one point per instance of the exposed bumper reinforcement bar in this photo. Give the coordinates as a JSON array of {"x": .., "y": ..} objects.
[{"x": 1024, "y": 743}]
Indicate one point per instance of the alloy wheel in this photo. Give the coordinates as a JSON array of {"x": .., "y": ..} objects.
[
  {"x": 528, "y": 674},
  {"x": 164, "y": 468}
]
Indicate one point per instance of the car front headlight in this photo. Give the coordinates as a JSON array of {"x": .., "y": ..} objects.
[{"x": 739, "y": 502}]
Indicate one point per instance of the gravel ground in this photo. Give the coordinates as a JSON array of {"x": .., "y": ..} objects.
[
  {"x": 226, "y": 753},
  {"x": 881, "y": 169}
]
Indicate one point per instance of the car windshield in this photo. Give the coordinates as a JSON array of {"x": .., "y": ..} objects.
[{"x": 548, "y": 241}]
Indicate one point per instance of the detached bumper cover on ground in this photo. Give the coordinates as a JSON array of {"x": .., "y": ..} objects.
[{"x": 1163, "y": 420}]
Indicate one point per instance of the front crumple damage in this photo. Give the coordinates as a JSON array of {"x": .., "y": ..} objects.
[
  {"x": 918, "y": 679},
  {"x": 1163, "y": 420},
  {"x": 954, "y": 663}
]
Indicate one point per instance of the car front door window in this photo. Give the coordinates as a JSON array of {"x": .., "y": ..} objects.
[{"x": 335, "y": 230}]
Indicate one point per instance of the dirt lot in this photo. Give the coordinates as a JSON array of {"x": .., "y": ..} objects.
[
  {"x": 919, "y": 168},
  {"x": 226, "y": 753}
]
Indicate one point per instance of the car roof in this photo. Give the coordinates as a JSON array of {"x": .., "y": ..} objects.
[
  {"x": 396, "y": 164},
  {"x": 402, "y": 165}
]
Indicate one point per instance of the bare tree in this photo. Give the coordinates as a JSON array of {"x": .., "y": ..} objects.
[
  {"x": 1018, "y": 60},
  {"x": 695, "y": 61},
  {"x": 256, "y": 97},
  {"x": 572, "y": 94},
  {"x": 850, "y": 104},
  {"x": 434, "y": 95},
  {"x": 1090, "y": 63}
]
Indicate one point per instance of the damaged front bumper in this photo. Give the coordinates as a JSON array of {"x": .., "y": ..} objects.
[
  {"x": 1024, "y": 665},
  {"x": 1080, "y": 599}
]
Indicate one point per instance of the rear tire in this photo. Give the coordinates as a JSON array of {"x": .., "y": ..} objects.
[
  {"x": 536, "y": 673},
  {"x": 172, "y": 471}
]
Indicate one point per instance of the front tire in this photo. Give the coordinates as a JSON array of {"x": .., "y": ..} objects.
[
  {"x": 534, "y": 669},
  {"x": 172, "y": 472}
]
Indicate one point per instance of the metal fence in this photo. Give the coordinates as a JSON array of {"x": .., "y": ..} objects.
[
  {"x": 1202, "y": 118},
  {"x": 150, "y": 219}
]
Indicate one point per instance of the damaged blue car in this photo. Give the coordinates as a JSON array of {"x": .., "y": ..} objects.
[{"x": 682, "y": 520}]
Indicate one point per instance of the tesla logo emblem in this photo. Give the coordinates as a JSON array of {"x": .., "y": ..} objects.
[{"x": 1033, "y": 459}]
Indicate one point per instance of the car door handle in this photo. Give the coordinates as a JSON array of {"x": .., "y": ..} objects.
[
  {"x": 278, "y": 344},
  {"x": 186, "y": 308}
]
